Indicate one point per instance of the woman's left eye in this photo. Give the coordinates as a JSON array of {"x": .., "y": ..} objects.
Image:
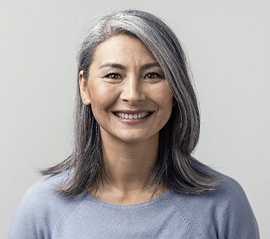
[{"x": 153, "y": 75}]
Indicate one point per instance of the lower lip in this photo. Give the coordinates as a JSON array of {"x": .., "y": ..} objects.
[{"x": 134, "y": 121}]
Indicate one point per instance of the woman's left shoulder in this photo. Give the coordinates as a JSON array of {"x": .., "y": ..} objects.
[
  {"x": 231, "y": 208},
  {"x": 227, "y": 207},
  {"x": 228, "y": 189}
]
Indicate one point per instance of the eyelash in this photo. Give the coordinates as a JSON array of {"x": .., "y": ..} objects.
[
  {"x": 153, "y": 75},
  {"x": 113, "y": 76},
  {"x": 150, "y": 75}
]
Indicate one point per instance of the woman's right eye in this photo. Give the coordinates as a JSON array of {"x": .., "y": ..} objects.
[{"x": 115, "y": 76}]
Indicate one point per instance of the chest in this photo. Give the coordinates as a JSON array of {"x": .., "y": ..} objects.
[{"x": 163, "y": 221}]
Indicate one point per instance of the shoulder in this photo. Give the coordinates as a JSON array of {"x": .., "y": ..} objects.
[
  {"x": 46, "y": 186},
  {"x": 227, "y": 206},
  {"x": 228, "y": 189},
  {"x": 235, "y": 217},
  {"x": 227, "y": 195},
  {"x": 40, "y": 209},
  {"x": 43, "y": 193}
]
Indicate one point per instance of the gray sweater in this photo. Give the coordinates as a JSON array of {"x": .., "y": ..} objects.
[{"x": 223, "y": 213}]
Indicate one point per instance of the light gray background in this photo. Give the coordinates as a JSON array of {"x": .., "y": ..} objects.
[{"x": 228, "y": 45}]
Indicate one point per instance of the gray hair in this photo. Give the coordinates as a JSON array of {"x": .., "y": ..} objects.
[{"x": 178, "y": 138}]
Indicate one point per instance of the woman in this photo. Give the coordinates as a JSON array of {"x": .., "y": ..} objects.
[{"x": 131, "y": 174}]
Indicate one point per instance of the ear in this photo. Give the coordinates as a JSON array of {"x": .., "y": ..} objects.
[{"x": 85, "y": 96}]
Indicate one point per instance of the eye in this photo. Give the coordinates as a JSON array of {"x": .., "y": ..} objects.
[
  {"x": 113, "y": 76},
  {"x": 153, "y": 75}
]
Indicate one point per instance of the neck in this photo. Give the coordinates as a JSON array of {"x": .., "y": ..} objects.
[
  {"x": 127, "y": 172},
  {"x": 129, "y": 166}
]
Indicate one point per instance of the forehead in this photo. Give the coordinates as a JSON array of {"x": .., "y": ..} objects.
[{"x": 122, "y": 47}]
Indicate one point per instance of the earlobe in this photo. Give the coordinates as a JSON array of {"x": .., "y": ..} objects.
[{"x": 84, "y": 89}]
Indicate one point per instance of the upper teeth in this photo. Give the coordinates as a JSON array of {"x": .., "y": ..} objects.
[{"x": 132, "y": 116}]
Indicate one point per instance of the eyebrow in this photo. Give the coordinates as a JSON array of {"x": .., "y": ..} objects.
[{"x": 122, "y": 67}]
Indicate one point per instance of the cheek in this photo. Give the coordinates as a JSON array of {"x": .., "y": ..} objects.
[
  {"x": 167, "y": 108},
  {"x": 97, "y": 89},
  {"x": 166, "y": 104},
  {"x": 164, "y": 97},
  {"x": 101, "y": 96}
]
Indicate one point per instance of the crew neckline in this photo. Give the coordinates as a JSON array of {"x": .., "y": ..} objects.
[{"x": 165, "y": 196}]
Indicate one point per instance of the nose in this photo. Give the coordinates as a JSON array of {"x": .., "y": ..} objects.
[{"x": 132, "y": 90}]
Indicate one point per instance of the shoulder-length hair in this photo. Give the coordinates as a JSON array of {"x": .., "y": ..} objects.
[{"x": 177, "y": 139}]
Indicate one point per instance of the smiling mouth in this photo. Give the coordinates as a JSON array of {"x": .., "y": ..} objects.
[{"x": 132, "y": 116}]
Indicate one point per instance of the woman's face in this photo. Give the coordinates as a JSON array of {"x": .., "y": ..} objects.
[{"x": 127, "y": 90}]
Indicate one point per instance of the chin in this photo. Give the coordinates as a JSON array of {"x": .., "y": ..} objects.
[{"x": 139, "y": 139}]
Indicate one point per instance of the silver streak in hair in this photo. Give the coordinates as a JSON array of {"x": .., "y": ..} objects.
[{"x": 178, "y": 138}]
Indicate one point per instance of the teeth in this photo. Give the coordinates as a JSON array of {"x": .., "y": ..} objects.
[{"x": 132, "y": 116}]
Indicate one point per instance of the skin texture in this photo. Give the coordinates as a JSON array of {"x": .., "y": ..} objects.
[{"x": 125, "y": 83}]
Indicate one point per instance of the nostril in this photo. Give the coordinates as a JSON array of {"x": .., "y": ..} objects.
[{"x": 132, "y": 95}]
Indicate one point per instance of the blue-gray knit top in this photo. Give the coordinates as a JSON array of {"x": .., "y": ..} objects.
[{"x": 222, "y": 213}]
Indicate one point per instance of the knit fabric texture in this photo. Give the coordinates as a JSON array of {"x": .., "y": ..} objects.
[{"x": 222, "y": 213}]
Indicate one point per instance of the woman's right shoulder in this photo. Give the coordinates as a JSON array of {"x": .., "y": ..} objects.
[
  {"x": 44, "y": 190},
  {"x": 42, "y": 197},
  {"x": 40, "y": 209}
]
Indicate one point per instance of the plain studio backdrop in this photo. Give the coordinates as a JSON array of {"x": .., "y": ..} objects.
[{"x": 228, "y": 46}]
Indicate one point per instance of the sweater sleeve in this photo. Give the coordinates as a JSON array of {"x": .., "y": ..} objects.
[
  {"x": 237, "y": 216},
  {"x": 37, "y": 213},
  {"x": 25, "y": 224}
]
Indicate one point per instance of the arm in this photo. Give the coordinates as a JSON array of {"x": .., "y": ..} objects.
[
  {"x": 237, "y": 215},
  {"x": 25, "y": 224}
]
